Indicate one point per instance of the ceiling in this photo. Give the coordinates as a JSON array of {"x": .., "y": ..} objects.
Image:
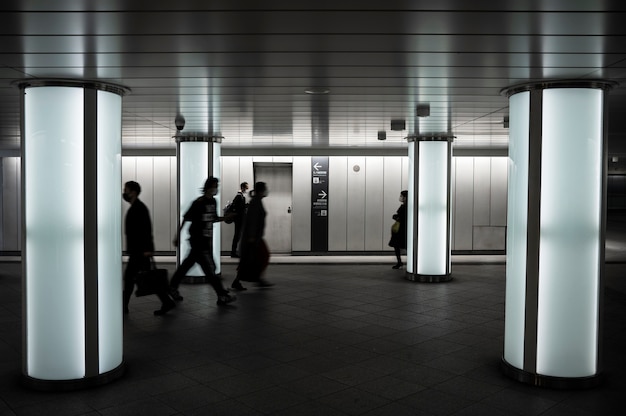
[{"x": 242, "y": 69}]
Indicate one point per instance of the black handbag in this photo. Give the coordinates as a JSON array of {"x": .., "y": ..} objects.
[{"x": 151, "y": 281}]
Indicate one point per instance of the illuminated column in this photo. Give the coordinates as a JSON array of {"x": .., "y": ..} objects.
[
  {"x": 556, "y": 230},
  {"x": 428, "y": 209},
  {"x": 198, "y": 157},
  {"x": 72, "y": 247}
]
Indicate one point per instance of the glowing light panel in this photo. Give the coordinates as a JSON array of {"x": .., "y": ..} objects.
[
  {"x": 571, "y": 192},
  {"x": 517, "y": 224},
  {"x": 432, "y": 210},
  {"x": 109, "y": 226},
  {"x": 410, "y": 210},
  {"x": 194, "y": 168},
  {"x": 54, "y": 247}
]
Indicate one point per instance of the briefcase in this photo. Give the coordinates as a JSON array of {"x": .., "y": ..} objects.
[{"x": 151, "y": 281}]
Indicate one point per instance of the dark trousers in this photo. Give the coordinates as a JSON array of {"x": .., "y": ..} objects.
[
  {"x": 236, "y": 237},
  {"x": 204, "y": 257},
  {"x": 397, "y": 252},
  {"x": 136, "y": 264}
]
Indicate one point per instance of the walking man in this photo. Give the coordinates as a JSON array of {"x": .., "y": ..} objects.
[
  {"x": 139, "y": 245},
  {"x": 202, "y": 214}
]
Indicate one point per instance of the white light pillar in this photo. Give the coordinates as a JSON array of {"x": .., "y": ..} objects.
[
  {"x": 198, "y": 157},
  {"x": 555, "y": 232},
  {"x": 428, "y": 209},
  {"x": 71, "y": 224}
]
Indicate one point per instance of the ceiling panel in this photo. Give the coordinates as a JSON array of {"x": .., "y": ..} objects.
[{"x": 241, "y": 68}]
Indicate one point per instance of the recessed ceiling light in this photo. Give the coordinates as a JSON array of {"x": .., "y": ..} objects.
[{"x": 317, "y": 91}]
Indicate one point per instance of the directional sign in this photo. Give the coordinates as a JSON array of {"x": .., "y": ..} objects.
[{"x": 319, "y": 204}]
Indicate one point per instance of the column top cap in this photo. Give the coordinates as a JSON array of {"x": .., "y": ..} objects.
[
  {"x": 566, "y": 83},
  {"x": 443, "y": 137},
  {"x": 198, "y": 137},
  {"x": 62, "y": 82}
]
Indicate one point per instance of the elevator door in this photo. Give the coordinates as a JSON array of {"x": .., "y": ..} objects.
[{"x": 278, "y": 177}]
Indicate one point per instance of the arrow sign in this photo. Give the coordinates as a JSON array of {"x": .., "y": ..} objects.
[{"x": 319, "y": 203}]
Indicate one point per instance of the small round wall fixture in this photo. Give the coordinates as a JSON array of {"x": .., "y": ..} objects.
[{"x": 356, "y": 168}]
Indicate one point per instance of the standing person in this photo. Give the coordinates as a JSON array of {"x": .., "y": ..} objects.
[
  {"x": 398, "y": 230},
  {"x": 238, "y": 208},
  {"x": 139, "y": 245},
  {"x": 254, "y": 251},
  {"x": 202, "y": 214}
]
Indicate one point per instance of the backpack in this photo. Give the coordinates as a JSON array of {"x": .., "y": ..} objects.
[{"x": 229, "y": 209}]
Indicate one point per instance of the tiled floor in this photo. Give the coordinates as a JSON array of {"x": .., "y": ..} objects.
[{"x": 327, "y": 339}]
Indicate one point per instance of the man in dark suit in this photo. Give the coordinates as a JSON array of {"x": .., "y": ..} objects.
[
  {"x": 139, "y": 245},
  {"x": 238, "y": 208}
]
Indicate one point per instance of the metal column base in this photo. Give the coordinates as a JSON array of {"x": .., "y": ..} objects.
[
  {"x": 426, "y": 278},
  {"x": 69, "y": 385},
  {"x": 538, "y": 380}
]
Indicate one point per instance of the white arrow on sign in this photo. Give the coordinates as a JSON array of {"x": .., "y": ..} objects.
[
  {"x": 322, "y": 194},
  {"x": 317, "y": 166}
]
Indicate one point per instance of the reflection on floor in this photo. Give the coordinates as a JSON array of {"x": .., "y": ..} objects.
[{"x": 327, "y": 339}]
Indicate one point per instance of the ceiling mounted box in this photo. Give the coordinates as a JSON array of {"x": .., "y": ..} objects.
[
  {"x": 422, "y": 110},
  {"x": 382, "y": 135},
  {"x": 398, "y": 125}
]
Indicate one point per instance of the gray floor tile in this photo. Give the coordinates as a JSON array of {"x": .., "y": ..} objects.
[{"x": 333, "y": 339}]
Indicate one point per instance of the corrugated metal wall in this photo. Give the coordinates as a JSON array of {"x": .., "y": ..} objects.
[{"x": 363, "y": 195}]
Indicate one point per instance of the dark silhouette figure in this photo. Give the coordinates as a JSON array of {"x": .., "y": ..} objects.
[
  {"x": 238, "y": 209},
  {"x": 398, "y": 234},
  {"x": 202, "y": 214},
  {"x": 139, "y": 245},
  {"x": 254, "y": 252}
]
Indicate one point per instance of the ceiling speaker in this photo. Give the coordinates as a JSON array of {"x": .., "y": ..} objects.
[
  {"x": 397, "y": 125},
  {"x": 422, "y": 110}
]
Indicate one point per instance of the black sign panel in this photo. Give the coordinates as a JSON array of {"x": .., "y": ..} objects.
[{"x": 319, "y": 204}]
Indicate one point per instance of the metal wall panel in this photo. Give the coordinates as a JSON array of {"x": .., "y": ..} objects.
[
  {"x": 374, "y": 213},
  {"x": 229, "y": 186},
  {"x": 405, "y": 172},
  {"x": 173, "y": 203},
  {"x": 278, "y": 223},
  {"x": 354, "y": 209},
  {"x": 301, "y": 214},
  {"x": 464, "y": 204},
  {"x": 452, "y": 202},
  {"x": 246, "y": 170},
  {"x": 489, "y": 238},
  {"x": 337, "y": 203},
  {"x": 158, "y": 192},
  {"x": 129, "y": 173},
  {"x": 356, "y": 204},
  {"x": 162, "y": 194},
  {"x": 11, "y": 204},
  {"x": 482, "y": 190},
  {"x": 262, "y": 159},
  {"x": 499, "y": 183},
  {"x": 1, "y": 204},
  {"x": 145, "y": 177},
  {"x": 394, "y": 178}
]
